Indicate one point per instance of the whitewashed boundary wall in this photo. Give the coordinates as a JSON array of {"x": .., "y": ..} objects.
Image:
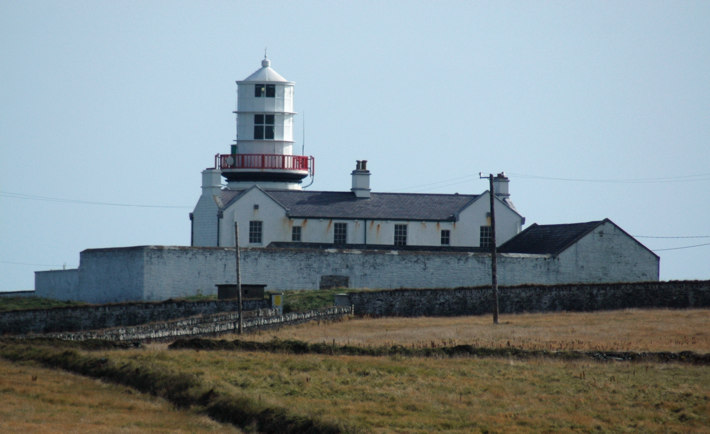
[
  {"x": 58, "y": 284},
  {"x": 154, "y": 273}
]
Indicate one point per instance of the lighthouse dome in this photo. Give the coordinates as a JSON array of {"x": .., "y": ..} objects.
[{"x": 265, "y": 74}]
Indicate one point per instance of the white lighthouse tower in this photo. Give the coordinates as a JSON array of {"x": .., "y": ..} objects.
[{"x": 263, "y": 153}]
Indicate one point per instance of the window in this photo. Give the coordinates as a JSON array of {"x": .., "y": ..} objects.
[
  {"x": 400, "y": 235},
  {"x": 267, "y": 90},
  {"x": 296, "y": 233},
  {"x": 340, "y": 233},
  {"x": 445, "y": 237},
  {"x": 486, "y": 239},
  {"x": 255, "y": 232},
  {"x": 263, "y": 127}
]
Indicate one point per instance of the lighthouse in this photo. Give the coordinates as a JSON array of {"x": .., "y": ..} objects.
[
  {"x": 265, "y": 199},
  {"x": 263, "y": 150}
]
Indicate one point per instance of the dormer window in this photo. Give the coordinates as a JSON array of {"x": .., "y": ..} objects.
[
  {"x": 263, "y": 127},
  {"x": 265, "y": 90}
]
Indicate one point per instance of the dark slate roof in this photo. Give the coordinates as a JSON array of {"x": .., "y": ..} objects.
[
  {"x": 548, "y": 239},
  {"x": 380, "y": 206}
]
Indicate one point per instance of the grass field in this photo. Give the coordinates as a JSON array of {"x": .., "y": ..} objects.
[
  {"x": 424, "y": 394},
  {"x": 621, "y": 330},
  {"x": 37, "y": 399}
]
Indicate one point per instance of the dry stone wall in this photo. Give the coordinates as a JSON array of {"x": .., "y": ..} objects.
[
  {"x": 208, "y": 325},
  {"x": 519, "y": 299},
  {"x": 77, "y": 318}
]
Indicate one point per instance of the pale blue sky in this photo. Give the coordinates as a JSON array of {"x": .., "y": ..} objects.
[{"x": 594, "y": 109}]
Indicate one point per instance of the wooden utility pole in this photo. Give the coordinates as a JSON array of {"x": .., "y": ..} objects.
[
  {"x": 494, "y": 265},
  {"x": 239, "y": 276}
]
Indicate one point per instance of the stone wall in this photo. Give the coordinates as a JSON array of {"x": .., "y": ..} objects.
[
  {"x": 77, "y": 318},
  {"x": 210, "y": 325},
  {"x": 58, "y": 284},
  {"x": 519, "y": 299},
  {"x": 153, "y": 273}
]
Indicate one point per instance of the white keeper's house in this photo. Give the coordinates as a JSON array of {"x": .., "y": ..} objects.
[{"x": 291, "y": 237}]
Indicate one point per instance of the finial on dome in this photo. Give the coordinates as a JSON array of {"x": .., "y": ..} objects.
[{"x": 266, "y": 62}]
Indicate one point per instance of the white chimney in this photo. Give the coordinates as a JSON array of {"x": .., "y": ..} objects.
[
  {"x": 500, "y": 185},
  {"x": 211, "y": 182},
  {"x": 361, "y": 180}
]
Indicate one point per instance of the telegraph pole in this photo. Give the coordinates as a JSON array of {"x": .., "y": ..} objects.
[
  {"x": 239, "y": 276},
  {"x": 494, "y": 259}
]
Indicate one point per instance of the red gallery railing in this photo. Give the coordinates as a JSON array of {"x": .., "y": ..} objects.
[{"x": 264, "y": 161}]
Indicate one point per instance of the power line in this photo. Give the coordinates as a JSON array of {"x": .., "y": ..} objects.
[
  {"x": 684, "y": 247},
  {"x": 12, "y": 195},
  {"x": 683, "y": 178},
  {"x": 467, "y": 178},
  {"x": 672, "y": 237},
  {"x": 443, "y": 183},
  {"x": 33, "y": 265}
]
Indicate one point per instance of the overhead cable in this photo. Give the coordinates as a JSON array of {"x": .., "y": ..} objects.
[
  {"x": 680, "y": 248},
  {"x": 683, "y": 178},
  {"x": 12, "y": 195}
]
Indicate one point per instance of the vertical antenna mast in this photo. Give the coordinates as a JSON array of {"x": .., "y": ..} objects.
[{"x": 303, "y": 132}]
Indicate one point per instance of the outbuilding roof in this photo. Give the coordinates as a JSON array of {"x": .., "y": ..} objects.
[
  {"x": 380, "y": 206},
  {"x": 548, "y": 239}
]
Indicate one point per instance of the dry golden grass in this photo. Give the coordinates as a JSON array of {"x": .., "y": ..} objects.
[
  {"x": 396, "y": 394},
  {"x": 36, "y": 399},
  {"x": 623, "y": 330},
  {"x": 418, "y": 394}
]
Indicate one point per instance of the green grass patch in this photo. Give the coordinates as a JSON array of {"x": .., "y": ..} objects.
[
  {"x": 198, "y": 297},
  {"x": 29, "y": 303},
  {"x": 294, "y": 300},
  {"x": 305, "y": 300}
]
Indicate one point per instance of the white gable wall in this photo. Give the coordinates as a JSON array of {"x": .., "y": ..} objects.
[
  {"x": 254, "y": 205},
  {"x": 508, "y": 222},
  {"x": 608, "y": 254}
]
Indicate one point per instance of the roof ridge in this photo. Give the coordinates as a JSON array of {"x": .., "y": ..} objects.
[
  {"x": 375, "y": 192},
  {"x": 568, "y": 224}
]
